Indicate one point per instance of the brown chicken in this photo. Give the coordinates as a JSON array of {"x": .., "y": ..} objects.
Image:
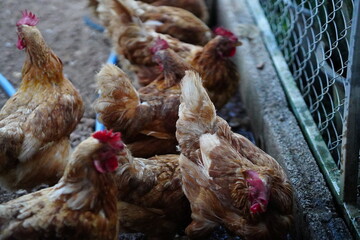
[
  {"x": 83, "y": 205},
  {"x": 176, "y": 22},
  {"x": 228, "y": 180},
  {"x": 151, "y": 196},
  {"x": 146, "y": 117},
  {"x": 212, "y": 61},
  {"x": 197, "y": 7},
  {"x": 35, "y": 123}
]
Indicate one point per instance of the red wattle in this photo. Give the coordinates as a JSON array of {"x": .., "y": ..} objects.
[
  {"x": 111, "y": 164},
  {"x": 256, "y": 208},
  {"x": 232, "y": 52},
  {"x": 20, "y": 44}
]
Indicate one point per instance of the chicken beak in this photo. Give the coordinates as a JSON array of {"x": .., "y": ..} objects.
[{"x": 238, "y": 44}]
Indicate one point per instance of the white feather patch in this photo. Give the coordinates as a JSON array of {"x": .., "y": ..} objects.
[
  {"x": 189, "y": 92},
  {"x": 24, "y": 110},
  {"x": 102, "y": 213},
  {"x": 153, "y": 23},
  {"x": 24, "y": 214},
  {"x": 208, "y": 34},
  {"x": 207, "y": 144},
  {"x": 69, "y": 98},
  {"x": 77, "y": 201},
  {"x": 58, "y": 191}
]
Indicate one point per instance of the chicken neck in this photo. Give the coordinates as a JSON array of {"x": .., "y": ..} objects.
[
  {"x": 41, "y": 64},
  {"x": 83, "y": 187}
]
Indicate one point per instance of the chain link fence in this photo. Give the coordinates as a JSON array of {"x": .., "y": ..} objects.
[
  {"x": 320, "y": 44},
  {"x": 314, "y": 38}
]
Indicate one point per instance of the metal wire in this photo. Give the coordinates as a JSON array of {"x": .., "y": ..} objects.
[{"x": 314, "y": 38}]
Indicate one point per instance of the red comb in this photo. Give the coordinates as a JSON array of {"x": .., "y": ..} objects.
[
  {"x": 28, "y": 18},
  {"x": 226, "y": 33},
  {"x": 160, "y": 44},
  {"x": 108, "y": 136}
]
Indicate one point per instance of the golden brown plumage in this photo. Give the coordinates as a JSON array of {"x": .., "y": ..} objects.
[
  {"x": 133, "y": 41},
  {"x": 197, "y": 7},
  {"x": 174, "y": 21},
  {"x": 35, "y": 123},
  {"x": 151, "y": 196},
  {"x": 146, "y": 117},
  {"x": 82, "y": 205},
  {"x": 219, "y": 73},
  {"x": 228, "y": 180}
]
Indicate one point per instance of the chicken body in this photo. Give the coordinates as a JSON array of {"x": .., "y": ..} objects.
[
  {"x": 197, "y": 7},
  {"x": 228, "y": 180},
  {"x": 212, "y": 61},
  {"x": 146, "y": 117},
  {"x": 35, "y": 123},
  {"x": 219, "y": 73},
  {"x": 151, "y": 196},
  {"x": 83, "y": 205},
  {"x": 173, "y": 21}
]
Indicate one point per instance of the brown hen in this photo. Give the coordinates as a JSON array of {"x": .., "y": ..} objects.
[
  {"x": 146, "y": 117},
  {"x": 133, "y": 41},
  {"x": 83, "y": 205},
  {"x": 227, "y": 179},
  {"x": 151, "y": 196},
  {"x": 176, "y": 22},
  {"x": 35, "y": 123},
  {"x": 197, "y": 7}
]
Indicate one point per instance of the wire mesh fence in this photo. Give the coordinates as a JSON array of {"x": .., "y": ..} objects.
[
  {"x": 320, "y": 42},
  {"x": 314, "y": 37}
]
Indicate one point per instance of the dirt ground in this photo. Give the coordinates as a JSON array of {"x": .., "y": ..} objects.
[{"x": 83, "y": 50}]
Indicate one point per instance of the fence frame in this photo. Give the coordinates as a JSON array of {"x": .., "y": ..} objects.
[
  {"x": 337, "y": 180},
  {"x": 351, "y": 131}
]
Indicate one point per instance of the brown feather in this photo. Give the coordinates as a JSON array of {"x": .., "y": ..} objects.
[
  {"x": 174, "y": 21},
  {"x": 146, "y": 117},
  {"x": 82, "y": 205},
  {"x": 133, "y": 40},
  {"x": 35, "y": 123},
  {"x": 214, "y": 166},
  {"x": 150, "y": 193},
  {"x": 197, "y": 7}
]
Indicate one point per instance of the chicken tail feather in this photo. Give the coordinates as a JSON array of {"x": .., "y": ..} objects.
[
  {"x": 116, "y": 93},
  {"x": 197, "y": 114},
  {"x": 195, "y": 102}
]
